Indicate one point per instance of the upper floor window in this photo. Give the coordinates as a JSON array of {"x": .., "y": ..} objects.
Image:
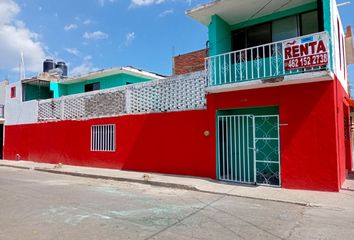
[
  {"x": 13, "y": 92},
  {"x": 278, "y": 30},
  {"x": 92, "y": 87},
  {"x": 309, "y": 23},
  {"x": 285, "y": 28}
]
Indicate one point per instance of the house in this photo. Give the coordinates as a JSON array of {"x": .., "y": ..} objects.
[
  {"x": 102, "y": 79},
  {"x": 277, "y": 78},
  {"x": 23, "y": 96},
  {"x": 271, "y": 107}
]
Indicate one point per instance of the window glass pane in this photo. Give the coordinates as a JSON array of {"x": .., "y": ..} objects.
[
  {"x": 309, "y": 23},
  {"x": 285, "y": 28},
  {"x": 259, "y": 35},
  {"x": 239, "y": 39},
  {"x": 96, "y": 86},
  {"x": 92, "y": 87}
]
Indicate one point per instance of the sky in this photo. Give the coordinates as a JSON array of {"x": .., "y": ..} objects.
[{"x": 95, "y": 34}]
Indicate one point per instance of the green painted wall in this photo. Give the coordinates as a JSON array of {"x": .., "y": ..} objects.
[
  {"x": 219, "y": 36},
  {"x": 58, "y": 89},
  {"x": 271, "y": 110},
  {"x": 32, "y": 92},
  {"x": 105, "y": 83},
  {"x": 220, "y": 31}
]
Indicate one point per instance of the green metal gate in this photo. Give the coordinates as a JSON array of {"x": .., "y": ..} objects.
[{"x": 248, "y": 149}]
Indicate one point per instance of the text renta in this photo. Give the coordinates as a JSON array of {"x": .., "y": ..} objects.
[{"x": 305, "y": 55}]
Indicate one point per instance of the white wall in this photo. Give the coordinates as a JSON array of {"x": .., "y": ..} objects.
[
  {"x": 341, "y": 72},
  {"x": 3, "y": 85},
  {"x": 16, "y": 111}
]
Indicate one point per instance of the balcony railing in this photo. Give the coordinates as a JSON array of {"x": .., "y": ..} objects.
[
  {"x": 270, "y": 61},
  {"x": 2, "y": 111}
]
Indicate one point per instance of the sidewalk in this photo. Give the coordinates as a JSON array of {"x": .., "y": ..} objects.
[{"x": 342, "y": 200}]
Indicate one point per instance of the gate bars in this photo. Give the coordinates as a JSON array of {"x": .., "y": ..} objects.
[{"x": 248, "y": 149}]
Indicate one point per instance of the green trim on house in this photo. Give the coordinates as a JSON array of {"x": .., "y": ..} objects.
[
  {"x": 328, "y": 27},
  {"x": 58, "y": 89},
  {"x": 112, "y": 81},
  {"x": 257, "y": 111}
]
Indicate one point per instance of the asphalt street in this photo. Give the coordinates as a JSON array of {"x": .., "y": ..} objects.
[{"x": 36, "y": 205}]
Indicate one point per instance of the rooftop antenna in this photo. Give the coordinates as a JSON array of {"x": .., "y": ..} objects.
[
  {"x": 343, "y": 4},
  {"x": 22, "y": 68}
]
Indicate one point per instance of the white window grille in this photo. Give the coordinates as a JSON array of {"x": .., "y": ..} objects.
[{"x": 103, "y": 138}]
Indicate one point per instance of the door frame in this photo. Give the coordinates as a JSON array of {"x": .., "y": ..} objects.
[{"x": 263, "y": 112}]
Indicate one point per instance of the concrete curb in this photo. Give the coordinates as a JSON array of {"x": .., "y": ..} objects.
[
  {"x": 86, "y": 175},
  {"x": 11, "y": 166},
  {"x": 155, "y": 183}
]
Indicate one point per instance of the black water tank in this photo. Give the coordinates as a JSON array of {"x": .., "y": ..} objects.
[
  {"x": 48, "y": 64},
  {"x": 63, "y": 67}
]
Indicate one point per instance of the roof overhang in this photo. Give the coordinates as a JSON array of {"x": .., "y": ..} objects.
[
  {"x": 237, "y": 11},
  {"x": 112, "y": 71},
  {"x": 36, "y": 82}
]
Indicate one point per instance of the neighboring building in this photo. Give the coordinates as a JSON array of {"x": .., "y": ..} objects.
[
  {"x": 271, "y": 107},
  {"x": 349, "y": 47},
  {"x": 23, "y": 96},
  {"x": 189, "y": 62},
  {"x": 102, "y": 79}
]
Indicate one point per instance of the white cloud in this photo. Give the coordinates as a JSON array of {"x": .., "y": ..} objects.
[
  {"x": 139, "y": 3},
  {"x": 95, "y": 35},
  {"x": 167, "y": 12},
  {"x": 15, "y": 38},
  {"x": 87, "y": 58},
  {"x": 103, "y": 2},
  {"x": 8, "y": 11},
  {"x": 71, "y": 26},
  {"x": 86, "y": 67},
  {"x": 87, "y": 22},
  {"x": 129, "y": 38},
  {"x": 73, "y": 51}
]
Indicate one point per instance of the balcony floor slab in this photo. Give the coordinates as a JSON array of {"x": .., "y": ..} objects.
[{"x": 302, "y": 78}]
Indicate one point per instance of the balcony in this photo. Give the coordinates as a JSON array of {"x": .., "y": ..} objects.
[
  {"x": 269, "y": 63},
  {"x": 2, "y": 111}
]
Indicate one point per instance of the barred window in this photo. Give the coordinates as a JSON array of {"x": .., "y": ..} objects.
[{"x": 103, "y": 138}]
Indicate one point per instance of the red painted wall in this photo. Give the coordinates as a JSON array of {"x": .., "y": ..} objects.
[
  {"x": 166, "y": 143},
  {"x": 344, "y": 157},
  {"x": 308, "y": 131},
  {"x": 312, "y": 151}
]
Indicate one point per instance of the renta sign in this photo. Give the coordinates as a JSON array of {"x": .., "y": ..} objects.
[{"x": 306, "y": 52}]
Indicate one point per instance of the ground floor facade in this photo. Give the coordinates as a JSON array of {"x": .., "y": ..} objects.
[{"x": 293, "y": 136}]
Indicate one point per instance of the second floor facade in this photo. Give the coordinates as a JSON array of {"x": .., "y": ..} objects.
[{"x": 272, "y": 41}]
